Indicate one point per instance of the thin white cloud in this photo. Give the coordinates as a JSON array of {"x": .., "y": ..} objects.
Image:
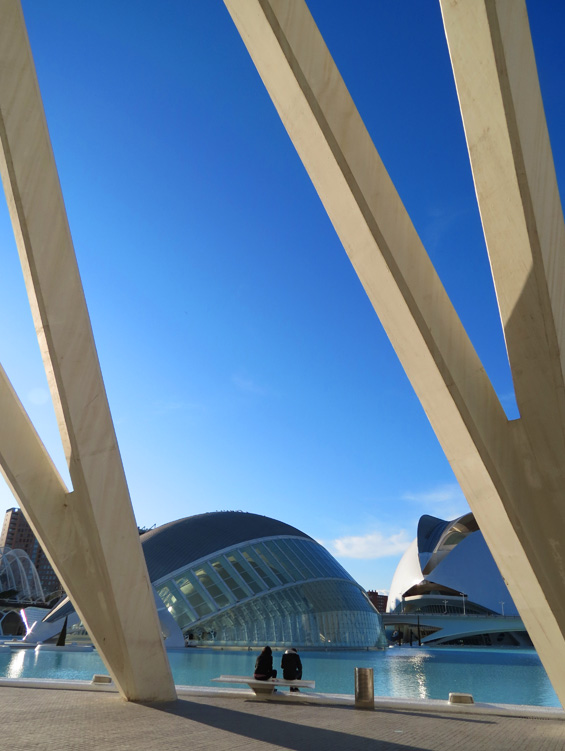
[
  {"x": 370, "y": 546},
  {"x": 249, "y": 386},
  {"x": 446, "y": 501},
  {"x": 447, "y": 493}
]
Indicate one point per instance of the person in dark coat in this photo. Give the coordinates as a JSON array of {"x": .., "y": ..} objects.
[
  {"x": 264, "y": 666},
  {"x": 292, "y": 667}
]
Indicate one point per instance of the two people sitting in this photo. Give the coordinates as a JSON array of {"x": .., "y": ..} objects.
[{"x": 290, "y": 664}]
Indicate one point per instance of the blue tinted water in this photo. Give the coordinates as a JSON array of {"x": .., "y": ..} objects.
[{"x": 491, "y": 675}]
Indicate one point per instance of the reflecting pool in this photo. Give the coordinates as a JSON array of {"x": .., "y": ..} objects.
[{"x": 512, "y": 676}]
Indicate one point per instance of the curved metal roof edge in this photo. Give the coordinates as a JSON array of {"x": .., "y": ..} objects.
[
  {"x": 217, "y": 514},
  {"x": 177, "y": 544},
  {"x": 223, "y": 551}
]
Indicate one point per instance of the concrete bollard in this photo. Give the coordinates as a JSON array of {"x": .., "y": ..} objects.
[{"x": 364, "y": 688}]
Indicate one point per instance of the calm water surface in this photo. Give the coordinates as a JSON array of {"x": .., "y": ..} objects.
[{"x": 492, "y": 675}]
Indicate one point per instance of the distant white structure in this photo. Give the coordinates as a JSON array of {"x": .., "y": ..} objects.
[
  {"x": 448, "y": 570},
  {"x": 19, "y": 586},
  {"x": 18, "y": 573},
  {"x": 45, "y": 624}
]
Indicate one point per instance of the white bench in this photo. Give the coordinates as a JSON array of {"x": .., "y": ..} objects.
[{"x": 263, "y": 687}]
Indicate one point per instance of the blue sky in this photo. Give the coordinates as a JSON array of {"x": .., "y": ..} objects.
[{"x": 244, "y": 365}]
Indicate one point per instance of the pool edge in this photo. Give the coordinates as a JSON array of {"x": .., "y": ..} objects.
[{"x": 381, "y": 702}]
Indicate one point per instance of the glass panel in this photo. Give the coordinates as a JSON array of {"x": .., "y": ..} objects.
[
  {"x": 194, "y": 597},
  {"x": 269, "y": 560},
  {"x": 252, "y": 559},
  {"x": 317, "y": 552},
  {"x": 289, "y": 566},
  {"x": 238, "y": 565},
  {"x": 305, "y": 550},
  {"x": 228, "y": 580},
  {"x": 298, "y": 562},
  {"x": 325, "y": 563},
  {"x": 333, "y": 567},
  {"x": 175, "y": 605},
  {"x": 211, "y": 587},
  {"x": 313, "y": 614}
]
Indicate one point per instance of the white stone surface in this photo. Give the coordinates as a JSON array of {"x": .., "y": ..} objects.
[
  {"x": 513, "y": 474},
  {"x": 89, "y": 535}
]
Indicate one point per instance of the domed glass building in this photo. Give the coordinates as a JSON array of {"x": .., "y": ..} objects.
[
  {"x": 230, "y": 578},
  {"x": 240, "y": 579}
]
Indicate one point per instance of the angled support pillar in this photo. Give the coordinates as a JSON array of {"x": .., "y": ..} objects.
[
  {"x": 492, "y": 459},
  {"x": 495, "y": 73},
  {"x": 497, "y": 84},
  {"x": 89, "y": 535}
]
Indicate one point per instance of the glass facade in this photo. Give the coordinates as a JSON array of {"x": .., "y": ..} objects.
[{"x": 276, "y": 591}]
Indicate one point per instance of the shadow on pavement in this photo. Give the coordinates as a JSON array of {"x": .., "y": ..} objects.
[{"x": 285, "y": 734}]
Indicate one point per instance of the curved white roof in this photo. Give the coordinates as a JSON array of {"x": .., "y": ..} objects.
[{"x": 454, "y": 556}]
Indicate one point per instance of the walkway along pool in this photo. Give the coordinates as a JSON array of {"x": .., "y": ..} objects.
[{"x": 512, "y": 676}]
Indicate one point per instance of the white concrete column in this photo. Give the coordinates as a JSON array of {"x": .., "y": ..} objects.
[
  {"x": 90, "y": 535},
  {"x": 497, "y": 84},
  {"x": 493, "y": 460}
]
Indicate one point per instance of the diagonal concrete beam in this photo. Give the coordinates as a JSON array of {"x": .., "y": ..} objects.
[
  {"x": 64, "y": 524},
  {"x": 495, "y": 73},
  {"x": 24, "y": 461},
  {"x": 497, "y": 84},
  {"x": 491, "y": 458},
  {"x": 368, "y": 215},
  {"x": 92, "y": 529}
]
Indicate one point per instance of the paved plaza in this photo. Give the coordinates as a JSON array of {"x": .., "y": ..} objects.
[{"x": 57, "y": 720}]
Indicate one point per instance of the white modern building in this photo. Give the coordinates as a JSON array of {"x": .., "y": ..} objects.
[
  {"x": 230, "y": 578},
  {"x": 447, "y": 589},
  {"x": 512, "y": 472}
]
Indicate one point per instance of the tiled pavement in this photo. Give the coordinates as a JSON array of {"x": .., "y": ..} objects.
[{"x": 57, "y": 720}]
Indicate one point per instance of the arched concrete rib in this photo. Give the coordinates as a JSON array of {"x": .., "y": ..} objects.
[
  {"x": 492, "y": 458},
  {"x": 89, "y": 535}
]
